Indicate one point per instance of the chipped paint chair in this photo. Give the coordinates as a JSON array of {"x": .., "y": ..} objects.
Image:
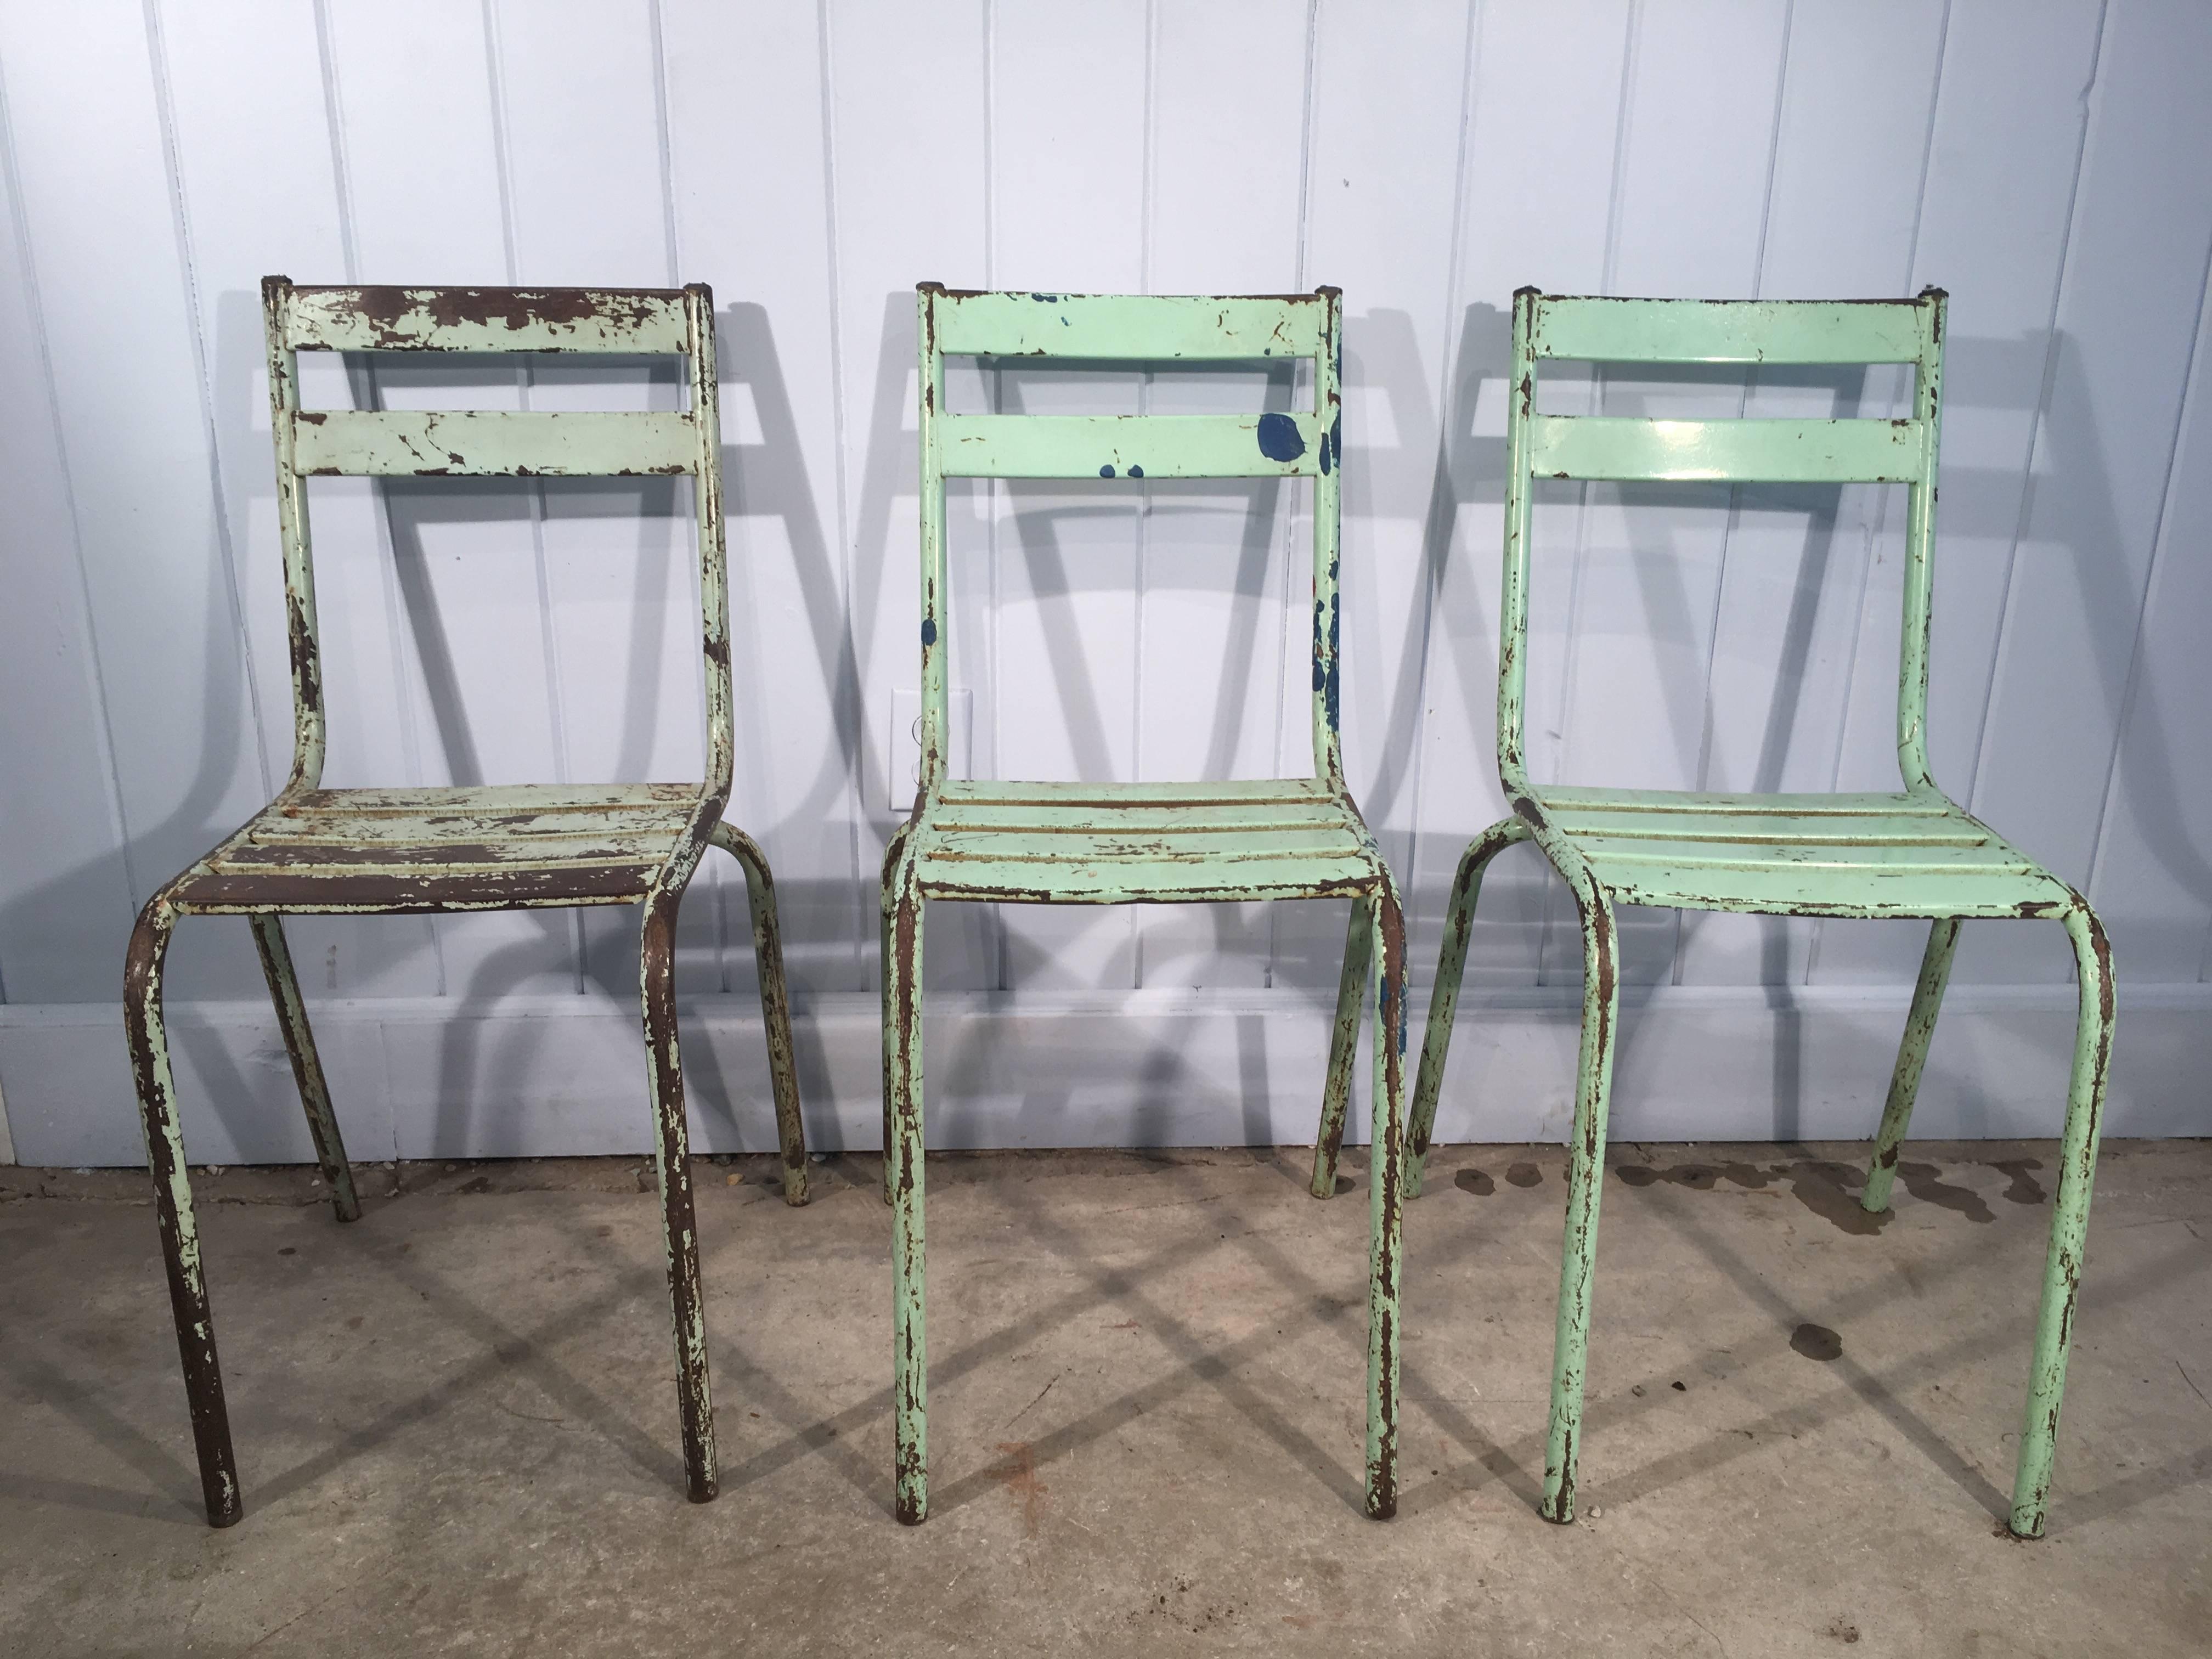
[
  {"x": 325, "y": 851},
  {"x": 1915, "y": 853},
  {"x": 1137, "y": 843}
]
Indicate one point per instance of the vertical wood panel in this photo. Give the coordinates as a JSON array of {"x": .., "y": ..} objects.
[
  {"x": 589, "y": 204},
  {"x": 103, "y": 235},
  {"x": 428, "y": 203},
  {"x": 65, "y": 889},
  {"x": 908, "y": 93},
  {"x": 2152, "y": 883},
  {"x": 1851, "y": 153},
  {"x": 253, "y": 207},
  {"x": 760, "y": 234},
  {"x": 1067, "y": 184},
  {"x": 1691, "y": 221},
  {"x": 2001, "y": 169},
  {"x": 1540, "y": 181},
  {"x": 1224, "y": 584},
  {"x": 2133, "y": 286}
]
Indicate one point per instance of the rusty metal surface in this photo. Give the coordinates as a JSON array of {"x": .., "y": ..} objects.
[
  {"x": 386, "y": 851},
  {"x": 1914, "y": 854}
]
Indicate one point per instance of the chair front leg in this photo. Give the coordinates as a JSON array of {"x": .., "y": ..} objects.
[
  {"x": 2069, "y": 1222},
  {"x": 775, "y": 1005},
  {"x": 1585, "y": 1172},
  {"x": 903, "y": 1092},
  {"x": 892, "y": 854},
  {"x": 1343, "y": 1046},
  {"x": 1387, "y": 950},
  {"x": 307, "y": 1065},
  {"x": 673, "y": 1164},
  {"x": 147, "y": 1040},
  {"x": 1912, "y": 1056},
  {"x": 1443, "y": 999}
]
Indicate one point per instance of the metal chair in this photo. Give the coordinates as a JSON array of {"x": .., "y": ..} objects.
[
  {"x": 328, "y": 852},
  {"x": 1138, "y": 843},
  {"x": 1916, "y": 854}
]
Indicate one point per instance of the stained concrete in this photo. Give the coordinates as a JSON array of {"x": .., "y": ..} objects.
[{"x": 456, "y": 1423}]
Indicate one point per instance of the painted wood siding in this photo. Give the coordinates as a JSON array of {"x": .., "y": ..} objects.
[{"x": 2042, "y": 162}]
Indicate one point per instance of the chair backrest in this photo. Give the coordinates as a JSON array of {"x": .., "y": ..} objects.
[
  {"x": 1741, "y": 450},
  {"x": 491, "y": 443},
  {"x": 956, "y": 323}
]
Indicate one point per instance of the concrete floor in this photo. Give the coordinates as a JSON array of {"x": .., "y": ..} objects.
[{"x": 456, "y": 1423}]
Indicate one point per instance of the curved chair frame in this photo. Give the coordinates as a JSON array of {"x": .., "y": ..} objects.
[
  {"x": 1916, "y": 854},
  {"x": 384, "y": 851},
  {"x": 1139, "y": 843}
]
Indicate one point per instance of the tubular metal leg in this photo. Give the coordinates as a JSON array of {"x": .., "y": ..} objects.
[
  {"x": 173, "y": 1201},
  {"x": 1443, "y": 1000},
  {"x": 1912, "y": 1056},
  {"x": 2069, "y": 1223},
  {"x": 1343, "y": 1046},
  {"x": 775, "y": 1005},
  {"x": 902, "y": 1088},
  {"x": 1387, "y": 950},
  {"x": 1585, "y": 1172},
  {"x": 673, "y": 1163},
  {"x": 307, "y": 1065}
]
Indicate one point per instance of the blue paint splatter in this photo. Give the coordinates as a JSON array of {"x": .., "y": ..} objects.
[
  {"x": 1280, "y": 437},
  {"x": 1136, "y": 472},
  {"x": 1325, "y": 458},
  {"x": 1336, "y": 437},
  {"x": 1046, "y": 299},
  {"x": 1105, "y": 471},
  {"x": 929, "y": 630}
]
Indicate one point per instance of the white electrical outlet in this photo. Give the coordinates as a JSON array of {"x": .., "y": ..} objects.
[{"x": 903, "y": 755}]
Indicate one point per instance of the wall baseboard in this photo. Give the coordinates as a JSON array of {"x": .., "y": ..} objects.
[{"x": 564, "y": 1076}]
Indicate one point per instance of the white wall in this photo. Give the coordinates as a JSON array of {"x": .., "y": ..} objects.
[{"x": 2042, "y": 161}]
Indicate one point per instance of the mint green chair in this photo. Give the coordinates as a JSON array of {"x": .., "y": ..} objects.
[
  {"x": 1139, "y": 843},
  {"x": 1913, "y": 854}
]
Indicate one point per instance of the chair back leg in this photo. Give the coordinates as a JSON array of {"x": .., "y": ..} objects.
[
  {"x": 307, "y": 1065},
  {"x": 1343, "y": 1046},
  {"x": 1443, "y": 999},
  {"x": 2069, "y": 1222},
  {"x": 147, "y": 1040},
  {"x": 1585, "y": 1179},
  {"x": 671, "y": 1151},
  {"x": 1911, "y": 1055},
  {"x": 775, "y": 1005}
]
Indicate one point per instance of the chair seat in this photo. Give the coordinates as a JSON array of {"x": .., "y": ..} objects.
[
  {"x": 1136, "y": 843},
  {"x": 493, "y": 848},
  {"x": 1810, "y": 855}
]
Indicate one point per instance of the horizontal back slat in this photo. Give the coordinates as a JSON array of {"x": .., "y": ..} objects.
[
  {"x": 1731, "y": 330},
  {"x": 1769, "y": 452},
  {"x": 630, "y": 320},
  {"x": 1128, "y": 326},
  {"x": 484, "y": 443},
  {"x": 1272, "y": 445}
]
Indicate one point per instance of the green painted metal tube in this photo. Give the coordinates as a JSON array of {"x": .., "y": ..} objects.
[
  {"x": 1343, "y": 1046},
  {"x": 306, "y": 1065},
  {"x": 1585, "y": 1173},
  {"x": 1385, "y": 1206},
  {"x": 775, "y": 1004},
  {"x": 1912, "y": 1056},
  {"x": 902, "y": 1085},
  {"x": 2069, "y": 1222},
  {"x": 1443, "y": 1000}
]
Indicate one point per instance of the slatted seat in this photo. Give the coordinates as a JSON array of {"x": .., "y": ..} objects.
[
  {"x": 1139, "y": 843},
  {"x": 402, "y": 850},
  {"x": 320, "y": 851},
  {"x": 1897, "y": 855},
  {"x": 1087, "y": 843},
  {"x": 1914, "y": 854}
]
